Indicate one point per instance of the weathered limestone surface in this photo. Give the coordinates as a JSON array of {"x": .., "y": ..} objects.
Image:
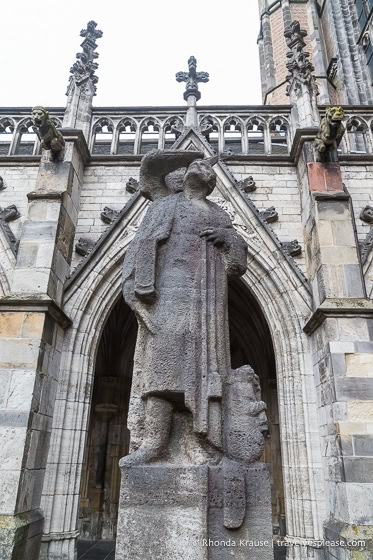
[{"x": 182, "y": 368}]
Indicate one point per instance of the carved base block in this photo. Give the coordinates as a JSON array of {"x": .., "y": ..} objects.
[
  {"x": 177, "y": 513},
  {"x": 325, "y": 177}
]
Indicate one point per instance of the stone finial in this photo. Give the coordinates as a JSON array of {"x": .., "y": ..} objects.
[
  {"x": 83, "y": 70},
  {"x": 248, "y": 185},
  {"x": 366, "y": 215},
  {"x": 9, "y": 214},
  {"x": 50, "y": 137},
  {"x": 299, "y": 66},
  {"x": 192, "y": 79}
]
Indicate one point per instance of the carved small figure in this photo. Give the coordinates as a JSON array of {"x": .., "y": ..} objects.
[
  {"x": 132, "y": 185},
  {"x": 366, "y": 215},
  {"x": 248, "y": 185},
  {"x": 50, "y": 137},
  {"x": 331, "y": 130},
  {"x": 84, "y": 246},
  {"x": 2, "y": 186},
  {"x": 108, "y": 215},
  {"x": 9, "y": 214},
  {"x": 292, "y": 248},
  {"x": 269, "y": 215},
  {"x": 366, "y": 246}
]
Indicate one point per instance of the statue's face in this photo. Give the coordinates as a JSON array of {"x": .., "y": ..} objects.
[
  {"x": 39, "y": 116},
  {"x": 201, "y": 173},
  {"x": 335, "y": 114}
]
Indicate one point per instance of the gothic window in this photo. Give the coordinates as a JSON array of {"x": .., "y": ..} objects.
[
  {"x": 172, "y": 130},
  {"x": 27, "y": 141},
  {"x": 102, "y": 137},
  {"x": 6, "y": 136},
  {"x": 127, "y": 135},
  {"x": 255, "y": 134},
  {"x": 210, "y": 129},
  {"x": 368, "y": 49},
  {"x": 233, "y": 136},
  {"x": 279, "y": 136},
  {"x": 357, "y": 136},
  {"x": 363, "y": 9},
  {"x": 149, "y": 136}
]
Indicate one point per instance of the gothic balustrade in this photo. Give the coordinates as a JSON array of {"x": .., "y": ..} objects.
[{"x": 232, "y": 131}]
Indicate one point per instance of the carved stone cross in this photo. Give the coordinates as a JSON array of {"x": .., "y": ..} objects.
[{"x": 192, "y": 79}]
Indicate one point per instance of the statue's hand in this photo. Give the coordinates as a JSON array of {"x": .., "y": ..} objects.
[{"x": 217, "y": 236}]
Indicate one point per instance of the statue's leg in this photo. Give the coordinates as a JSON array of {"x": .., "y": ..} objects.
[{"x": 158, "y": 415}]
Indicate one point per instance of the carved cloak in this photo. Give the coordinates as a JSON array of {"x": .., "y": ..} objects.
[{"x": 176, "y": 283}]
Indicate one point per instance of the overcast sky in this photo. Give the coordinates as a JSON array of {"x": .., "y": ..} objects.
[{"x": 145, "y": 42}]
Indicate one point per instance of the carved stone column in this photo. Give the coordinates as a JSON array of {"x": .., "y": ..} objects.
[
  {"x": 341, "y": 331},
  {"x": 32, "y": 324}
]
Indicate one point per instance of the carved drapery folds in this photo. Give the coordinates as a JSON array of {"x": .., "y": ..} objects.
[{"x": 299, "y": 66}]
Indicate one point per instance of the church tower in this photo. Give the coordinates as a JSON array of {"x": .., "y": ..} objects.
[{"x": 338, "y": 40}]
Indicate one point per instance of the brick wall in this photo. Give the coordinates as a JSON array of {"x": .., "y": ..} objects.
[
  {"x": 18, "y": 182},
  {"x": 103, "y": 186}
]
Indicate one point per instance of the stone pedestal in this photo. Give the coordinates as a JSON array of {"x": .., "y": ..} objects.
[
  {"x": 163, "y": 513},
  {"x": 177, "y": 513}
]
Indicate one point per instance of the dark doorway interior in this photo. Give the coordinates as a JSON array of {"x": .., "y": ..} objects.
[{"x": 108, "y": 437}]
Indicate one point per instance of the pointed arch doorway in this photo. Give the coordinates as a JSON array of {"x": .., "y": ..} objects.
[{"x": 108, "y": 435}]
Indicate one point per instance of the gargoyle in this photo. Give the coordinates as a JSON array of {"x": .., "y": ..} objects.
[
  {"x": 331, "y": 130},
  {"x": 50, "y": 137}
]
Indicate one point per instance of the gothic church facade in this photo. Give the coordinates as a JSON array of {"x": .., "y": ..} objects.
[{"x": 302, "y": 316}]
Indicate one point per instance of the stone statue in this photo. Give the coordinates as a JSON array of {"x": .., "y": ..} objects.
[
  {"x": 175, "y": 278},
  {"x": 331, "y": 130},
  {"x": 51, "y": 138},
  {"x": 366, "y": 214}
]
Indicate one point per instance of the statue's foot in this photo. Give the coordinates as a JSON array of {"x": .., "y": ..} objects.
[{"x": 143, "y": 455}]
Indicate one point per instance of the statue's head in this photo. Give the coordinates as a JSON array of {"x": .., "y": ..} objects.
[
  {"x": 246, "y": 421},
  {"x": 200, "y": 173},
  {"x": 39, "y": 115},
  {"x": 334, "y": 114}
]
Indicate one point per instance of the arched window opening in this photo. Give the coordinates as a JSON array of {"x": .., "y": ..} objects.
[
  {"x": 6, "y": 136},
  {"x": 357, "y": 136},
  {"x": 210, "y": 129},
  {"x": 279, "y": 137},
  {"x": 149, "y": 136},
  {"x": 27, "y": 139},
  {"x": 255, "y": 135},
  {"x": 103, "y": 137},
  {"x": 172, "y": 131},
  {"x": 127, "y": 135},
  {"x": 233, "y": 136}
]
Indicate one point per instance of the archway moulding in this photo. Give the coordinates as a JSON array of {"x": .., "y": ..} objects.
[{"x": 285, "y": 299}]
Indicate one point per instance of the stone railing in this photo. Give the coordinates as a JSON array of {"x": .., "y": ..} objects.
[{"x": 230, "y": 130}]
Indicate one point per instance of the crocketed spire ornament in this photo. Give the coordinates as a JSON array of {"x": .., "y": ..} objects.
[
  {"x": 299, "y": 66},
  {"x": 83, "y": 70}
]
